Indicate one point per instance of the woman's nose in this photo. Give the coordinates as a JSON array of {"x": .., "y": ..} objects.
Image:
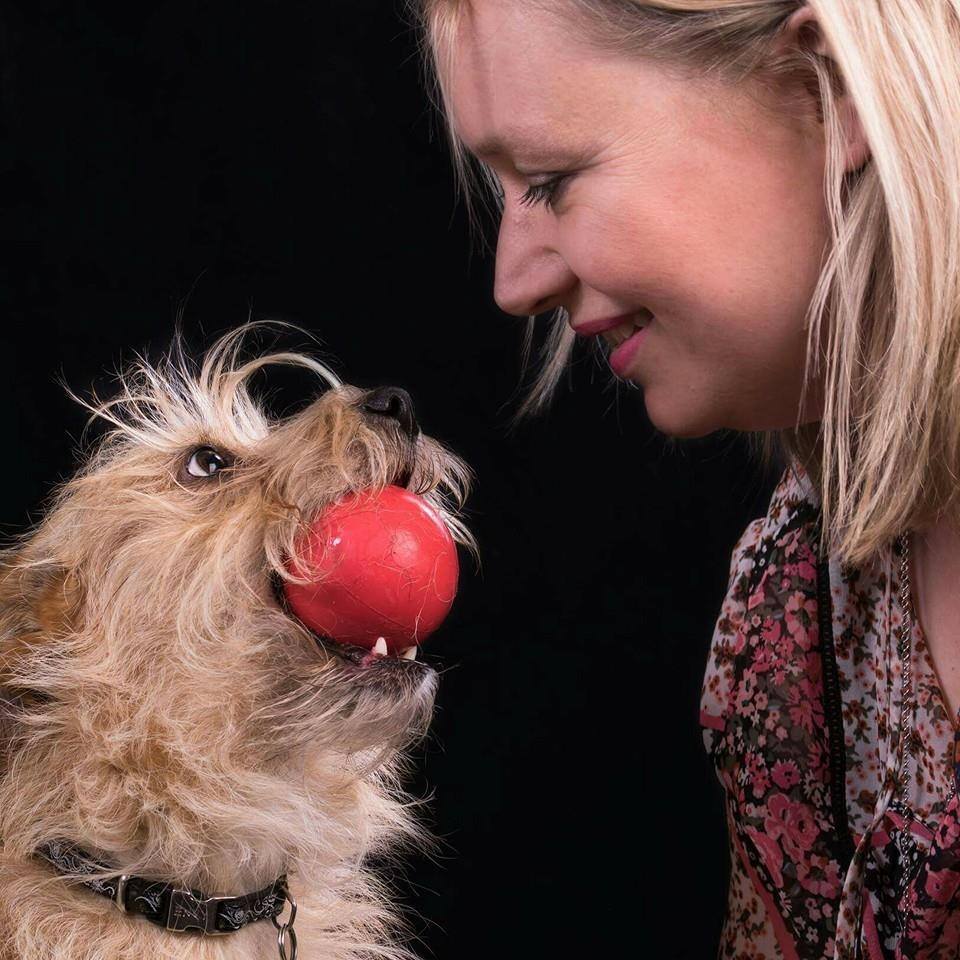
[{"x": 531, "y": 277}]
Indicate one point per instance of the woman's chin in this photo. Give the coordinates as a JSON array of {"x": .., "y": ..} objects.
[
  {"x": 673, "y": 420},
  {"x": 691, "y": 421}
]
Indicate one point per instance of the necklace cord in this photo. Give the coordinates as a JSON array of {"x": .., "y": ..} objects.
[{"x": 907, "y": 702}]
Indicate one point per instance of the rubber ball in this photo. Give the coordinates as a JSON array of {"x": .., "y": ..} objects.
[{"x": 380, "y": 564}]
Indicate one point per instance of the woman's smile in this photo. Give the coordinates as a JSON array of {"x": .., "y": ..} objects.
[{"x": 623, "y": 357}]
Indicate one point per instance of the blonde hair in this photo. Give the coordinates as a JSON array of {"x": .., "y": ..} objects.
[{"x": 886, "y": 456}]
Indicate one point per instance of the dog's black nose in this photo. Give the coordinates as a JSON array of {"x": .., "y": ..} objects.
[{"x": 395, "y": 403}]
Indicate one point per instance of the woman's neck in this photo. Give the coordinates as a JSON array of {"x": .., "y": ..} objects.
[{"x": 935, "y": 585}]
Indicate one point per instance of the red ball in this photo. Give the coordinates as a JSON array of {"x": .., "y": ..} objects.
[{"x": 381, "y": 564}]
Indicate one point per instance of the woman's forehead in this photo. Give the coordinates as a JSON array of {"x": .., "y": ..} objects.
[{"x": 518, "y": 79}]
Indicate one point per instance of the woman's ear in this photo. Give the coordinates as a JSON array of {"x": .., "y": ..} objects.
[{"x": 802, "y": 31}]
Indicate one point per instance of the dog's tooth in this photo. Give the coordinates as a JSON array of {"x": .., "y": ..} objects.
[
  {"x": 380, "y": 646},
  {"x": 410, "y": 653}
]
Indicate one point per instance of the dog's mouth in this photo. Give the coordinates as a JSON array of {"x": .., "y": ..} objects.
[
  {"x": 383, "y": 660},
  {"x": 378, "y": 659}
]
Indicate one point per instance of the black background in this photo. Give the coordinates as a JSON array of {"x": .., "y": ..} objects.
[{"x": 281, "y": 159}]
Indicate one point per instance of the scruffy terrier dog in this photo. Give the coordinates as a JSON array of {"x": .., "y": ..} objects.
[{"x": 169, "y": 735}]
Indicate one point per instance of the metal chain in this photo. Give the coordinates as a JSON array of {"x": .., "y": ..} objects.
[
  {"x": 286, "y": 932},
  {"x": 907, "y": 703}
]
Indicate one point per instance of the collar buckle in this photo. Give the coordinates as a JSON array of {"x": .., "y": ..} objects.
[
  {"x": 186, "y": 911},
  {"x": 120, "y": 897}
]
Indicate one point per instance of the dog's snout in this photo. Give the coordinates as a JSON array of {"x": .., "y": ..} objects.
[{"x": 395, "y": 403}]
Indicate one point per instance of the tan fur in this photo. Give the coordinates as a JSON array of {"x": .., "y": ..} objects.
[{"x": 160, "y": 709}]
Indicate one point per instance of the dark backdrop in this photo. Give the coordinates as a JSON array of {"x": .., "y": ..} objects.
[{"x": 279, "y": 158}]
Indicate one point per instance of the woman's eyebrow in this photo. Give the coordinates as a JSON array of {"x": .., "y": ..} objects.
[
  {"x": 493, "y": 147},
  {"x": 488, "y": 147}
]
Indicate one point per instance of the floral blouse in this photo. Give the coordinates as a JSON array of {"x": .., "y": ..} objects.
[{"x": 800, "y": 715}]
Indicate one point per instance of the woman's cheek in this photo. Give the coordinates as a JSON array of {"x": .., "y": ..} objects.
[{"x": 598, "y": 250}]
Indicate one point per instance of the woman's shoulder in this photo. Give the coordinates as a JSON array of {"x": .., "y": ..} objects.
[
  {"x": 793, "y": 511},
  {"x": 795, "y": 498}
]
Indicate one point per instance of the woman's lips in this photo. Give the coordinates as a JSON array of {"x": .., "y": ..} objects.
[
  {"x": 622, "y": 358},
  {"x": 591, "y": 328}
]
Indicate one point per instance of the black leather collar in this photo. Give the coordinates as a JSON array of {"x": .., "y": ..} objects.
[{"x": 168, "y": 906}]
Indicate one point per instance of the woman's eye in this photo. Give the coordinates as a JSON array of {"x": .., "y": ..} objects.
[
  {"x": 205, "y": 462},
  {"x": 545, "y": 192}
]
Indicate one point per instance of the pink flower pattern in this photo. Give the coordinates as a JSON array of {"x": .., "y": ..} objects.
[{"x": 795, "y": 889}]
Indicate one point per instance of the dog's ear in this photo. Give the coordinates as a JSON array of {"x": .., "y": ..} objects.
[{"x": 37, "y": 602}]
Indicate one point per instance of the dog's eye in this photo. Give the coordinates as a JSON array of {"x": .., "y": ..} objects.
[{"x": 205, "y": 462}]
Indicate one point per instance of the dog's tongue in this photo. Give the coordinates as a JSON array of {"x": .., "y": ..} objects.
[{"x": 380, "y": 564}]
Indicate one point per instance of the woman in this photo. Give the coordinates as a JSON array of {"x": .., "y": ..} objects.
[{"x": 757, "y": 204}]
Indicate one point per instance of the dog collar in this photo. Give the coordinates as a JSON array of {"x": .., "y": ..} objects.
[{"x": 176, "y": 909}]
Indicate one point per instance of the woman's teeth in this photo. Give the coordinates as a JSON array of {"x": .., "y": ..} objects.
[{"x": 625, "y": 331}]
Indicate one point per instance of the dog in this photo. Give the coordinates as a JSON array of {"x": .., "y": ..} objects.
[{"x": 169, "y": 733}]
